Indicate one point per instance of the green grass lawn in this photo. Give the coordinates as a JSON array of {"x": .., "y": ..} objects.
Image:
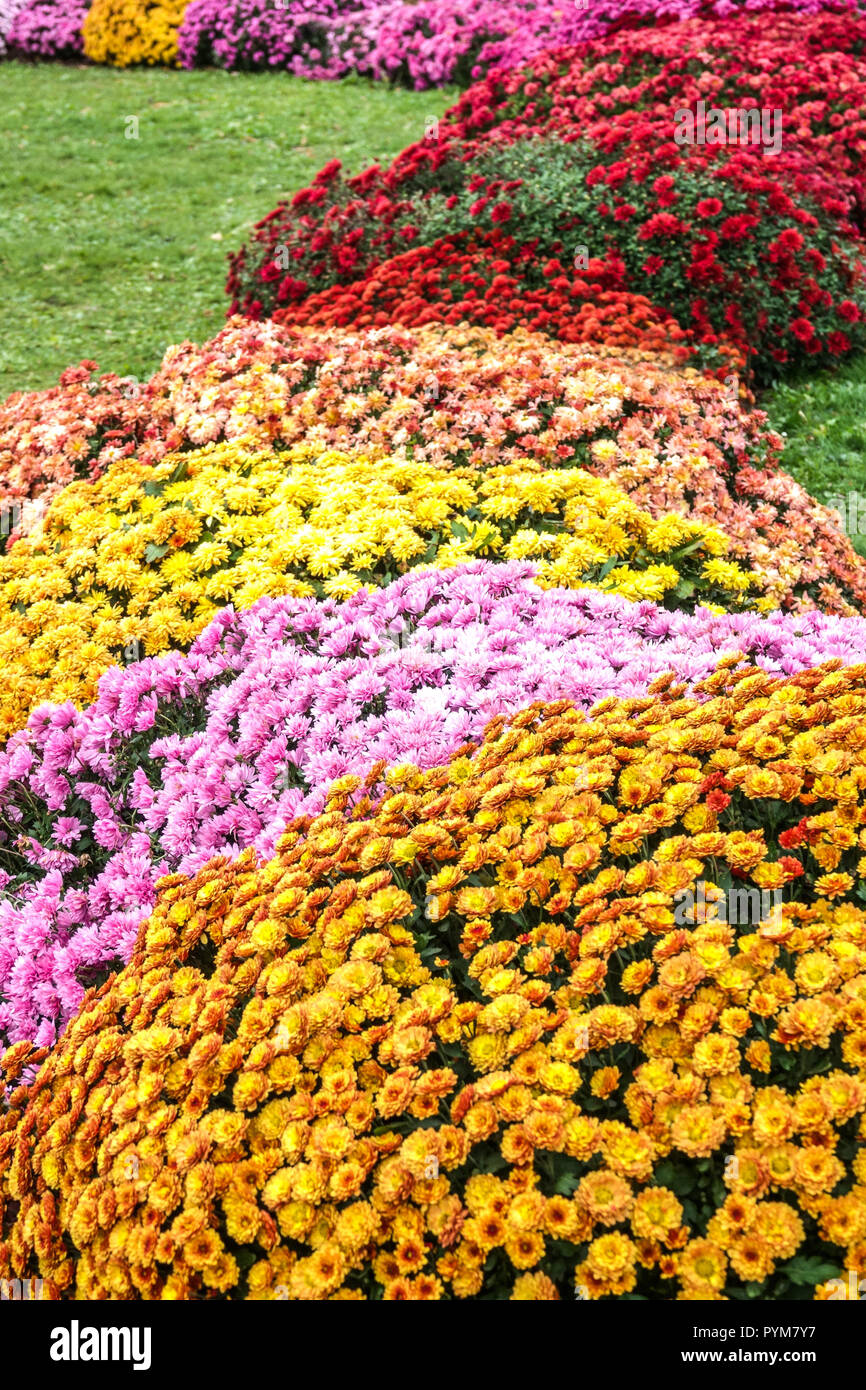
[
  {"x": 113, "y": 248},
  {"x": 824, "y": 418}
]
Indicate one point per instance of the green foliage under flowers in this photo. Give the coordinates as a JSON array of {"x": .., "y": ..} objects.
[{"x": 538, "y": 190}]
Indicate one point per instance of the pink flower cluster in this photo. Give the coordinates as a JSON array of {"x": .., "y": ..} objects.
[
  {"x": 421, "y": 43},
  {"x": 294, "y": 35},
  {"x": 182, "y": 758},
  {"x": 48, "y": 29},
  {"x": 435, "y": 42},
  {"x": 8, "y": 10}
]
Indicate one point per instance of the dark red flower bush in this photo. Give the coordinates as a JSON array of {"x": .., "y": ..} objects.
[
  {"x": 490, "y": 279},
  {"x": 724, "y": 251},
  {"x": 746, "y": 277}
]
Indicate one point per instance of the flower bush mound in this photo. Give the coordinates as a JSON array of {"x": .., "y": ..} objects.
[
  {"x": 466, "y": 1042},
  {"x": 47, "y": 29},
  {"x": 432, "y": 831},
  {"x": 128, "y": 32},
  {"x": 762, "y": 250},
  {"x": 259, "y": 34}
]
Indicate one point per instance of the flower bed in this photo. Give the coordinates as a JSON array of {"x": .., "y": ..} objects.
[
  {"x": 432, "y": 822},
  {"x": 148, "y": 555},
  {"x": 450, "y": 396},
  {"x": 763, "y": 252},
  {"x": 259, "y": 34},
  {"x": 417, "y": 43},
  {"x": 520, "y": 981},
  {"x": 182, "y": 758}
]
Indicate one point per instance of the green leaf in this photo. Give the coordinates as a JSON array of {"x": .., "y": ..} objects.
[
  {"x": 690, "y": 1212},
  {"x": 566, "y": 1184},
  {"x": 684, "y": 550},
  {"x": 430, "y": 552},
  {"x": 809, "y": 1269},
  {"x": 154, "y": 552},
  {"x": 489, "y": 1162},
  {"x": 679, "y": 1180}
]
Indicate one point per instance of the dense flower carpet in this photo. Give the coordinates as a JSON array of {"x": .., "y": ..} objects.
[
  {"x": 417, "y": 43},
  {"x": 433, "y": 777}
]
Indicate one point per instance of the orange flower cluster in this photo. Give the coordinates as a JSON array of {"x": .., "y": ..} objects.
[{"x": 471, "y": 1035}]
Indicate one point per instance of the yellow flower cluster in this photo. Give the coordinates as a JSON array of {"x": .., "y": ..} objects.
[
  {"x": 462, "y": 1041},
  {"x": 150, "y": 554},
  {"x": 127, "y": 32}
]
